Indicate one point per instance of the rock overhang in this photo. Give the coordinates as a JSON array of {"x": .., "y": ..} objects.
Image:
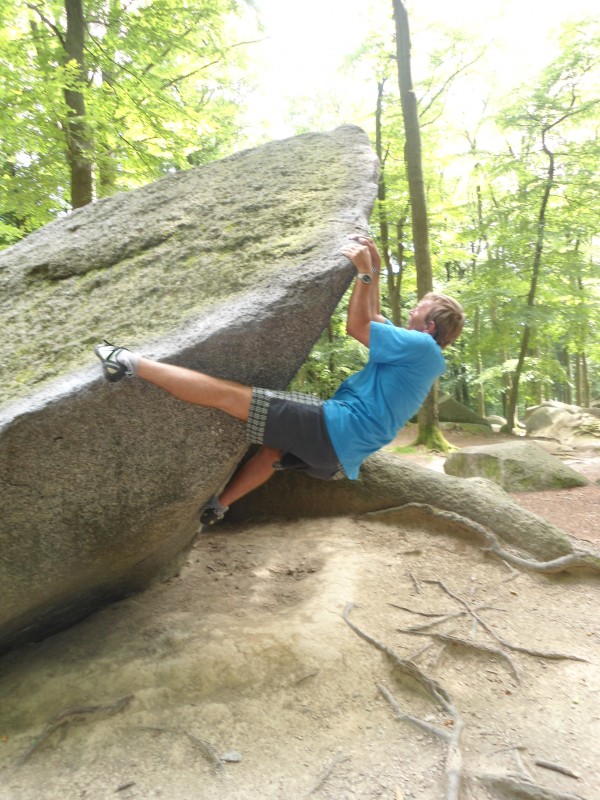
[{"x": 211, "y": 269}]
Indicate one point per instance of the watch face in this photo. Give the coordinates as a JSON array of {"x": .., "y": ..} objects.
[{"x": 364, "y": 278}]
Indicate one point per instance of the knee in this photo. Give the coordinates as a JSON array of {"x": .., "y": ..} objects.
[{"x": 268, "y": 455}]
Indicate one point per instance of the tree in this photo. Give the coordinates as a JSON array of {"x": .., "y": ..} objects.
[
  {"x": 394, "y": 264},
  {"x": 412, "y": 152},
  {"x": 78, "y": 140},
  {"x": 103, "y": 96},
  {"x": 429, "y": 431},
  {"x": 544, "y": 117}
]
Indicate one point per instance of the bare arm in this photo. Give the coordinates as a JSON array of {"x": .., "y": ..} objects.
[
  {"x": 364, "y": 302},
  {"x": 376, "y": 271}
]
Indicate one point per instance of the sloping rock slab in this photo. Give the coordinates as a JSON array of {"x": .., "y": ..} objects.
[
  {"x": 515, "y": 466},
  {"x": 450, "y": 410},
  {"x": 233, "y": 268}
]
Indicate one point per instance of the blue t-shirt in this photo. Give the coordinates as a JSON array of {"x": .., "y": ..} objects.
[{"x": 371, "y": 406}]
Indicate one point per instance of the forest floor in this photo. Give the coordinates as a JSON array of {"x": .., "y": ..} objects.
[{"x": 241, "y": 678}]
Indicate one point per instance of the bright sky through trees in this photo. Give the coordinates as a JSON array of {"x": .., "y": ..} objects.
[{"x": 306, "y": 43}]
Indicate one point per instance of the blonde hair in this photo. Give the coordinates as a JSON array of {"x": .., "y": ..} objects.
[{"x": 448, "y": 316}]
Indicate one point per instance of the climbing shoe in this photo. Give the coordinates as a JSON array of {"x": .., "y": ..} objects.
[
  {"x": 213, "y": 511},
  {"x": 116, "y": 363}
]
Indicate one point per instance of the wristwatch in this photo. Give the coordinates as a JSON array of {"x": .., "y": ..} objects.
[{"x": 364, "y": 277}]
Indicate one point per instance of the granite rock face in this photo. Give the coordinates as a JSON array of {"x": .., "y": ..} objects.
[{"x": 232, "y": 268}]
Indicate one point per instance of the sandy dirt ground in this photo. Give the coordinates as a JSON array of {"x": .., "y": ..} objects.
[{"x": 241, "y": 678}]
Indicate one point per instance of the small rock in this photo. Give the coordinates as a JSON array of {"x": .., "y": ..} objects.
[{"x": 231, "y": 757}]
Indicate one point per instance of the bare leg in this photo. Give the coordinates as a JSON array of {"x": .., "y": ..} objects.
[
  {"x": 198, "y": 388},
  {"x": 255, "y": 472},
  {"x": 229, "y": 396}
]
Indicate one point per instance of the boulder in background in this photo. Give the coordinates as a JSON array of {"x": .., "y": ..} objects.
[{"x": 515, "y": 466}]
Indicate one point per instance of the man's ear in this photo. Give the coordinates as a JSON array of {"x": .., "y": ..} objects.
[{"x": 431, "y": 329}]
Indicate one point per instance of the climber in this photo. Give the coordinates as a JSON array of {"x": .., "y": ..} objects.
[{"x": 325, "y": 439}]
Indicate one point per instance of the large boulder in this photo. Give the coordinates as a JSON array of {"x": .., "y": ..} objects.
[
  {"x": 450, "y": 410},
  {"x": 233, "y": 268},
  {"x": 515, "y": 466},
  {"x": 565, "y": 423}
]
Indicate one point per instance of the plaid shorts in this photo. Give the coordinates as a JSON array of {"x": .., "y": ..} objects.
[{"x": 293, "y": 422}]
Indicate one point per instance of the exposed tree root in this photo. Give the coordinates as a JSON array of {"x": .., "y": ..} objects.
[
  {"x": 517, "y": 648},
  {"x": 437, "y": 693},
  {"x": 556, "y": 768},
  {"x": 448, "y": 638},
  {"x": 71, "y": 716},
  {"x": 507, "y": 788},
  {"x": 338, "y": 759},
  {"x": 522, "y": 784},
  {"x": 578, "y": 559},
  {"x": 438, "y": 618},
  {"x": 205, "y": 747}
]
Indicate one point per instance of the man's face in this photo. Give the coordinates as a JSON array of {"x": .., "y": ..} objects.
[{"x": 416, "y": 318}]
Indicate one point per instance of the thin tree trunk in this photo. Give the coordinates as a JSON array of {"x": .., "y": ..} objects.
[
  {"x": 481, "y": 237},
  {"x": 479, "y": 366},
  {"x": 106, "y": 159},
  {"x": 78, "y": 143},
  {"x": 395, "y": 284},
  {"x": 569, "y": 383},
  {"x": 585, "y": 384},
  {"x": 566, "y": 386},
  {"x": 393, "y": 280},
  {"x": 429, "y": 430},
  {"x": 578, "y": 381},
  {"x": 535, "y": 272},
  {"x": 412, "y": 152}
]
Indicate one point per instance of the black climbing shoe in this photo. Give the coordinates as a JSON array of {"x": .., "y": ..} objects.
[{"x": 212, "y": 512}]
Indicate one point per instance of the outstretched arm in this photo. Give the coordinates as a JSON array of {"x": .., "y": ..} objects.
[{"x": 364, "y": 302}]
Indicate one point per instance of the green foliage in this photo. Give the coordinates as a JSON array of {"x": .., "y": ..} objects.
[
  {"x": 483, "y": 218},
  {"x": 334, "y": 358},
  {"x": 162, "y": 85}
]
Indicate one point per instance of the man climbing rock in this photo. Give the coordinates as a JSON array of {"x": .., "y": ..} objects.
[{"x": 326, "y": 439}]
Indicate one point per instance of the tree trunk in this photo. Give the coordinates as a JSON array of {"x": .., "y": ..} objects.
[
  {"x": 393, "y": 279},
  {"x": 78, "y": 143},
  {"x": 583, "y": 385},
  {"x": 535, "y": 272},
  {"x": 479, "y": 366},
  {"x": 539, "y": 386},
  {"x": 481, "y": 238},
  {"x": 106, "y": 159},
  {"x": 429, "y": 430},
  {"x": 566, "y": 394},
  {"x": 587, "y": 398},
  {"x": 412, "y": 152},
  {"x": 583, "y": 397},
  {"x": 395, "y": 285},
  {"x": 577, "y": 379}
]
